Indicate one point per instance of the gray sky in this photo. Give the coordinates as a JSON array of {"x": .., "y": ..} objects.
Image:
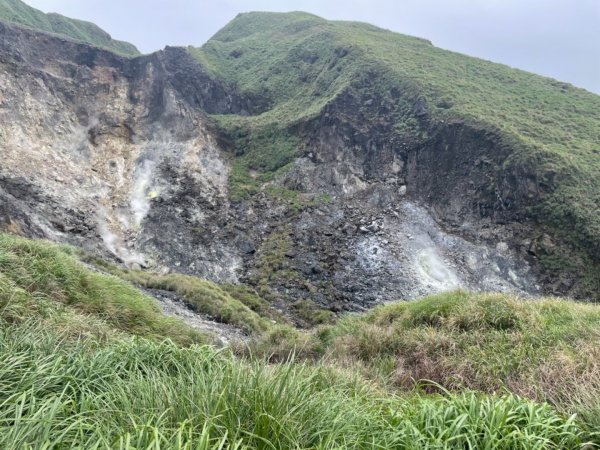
[{"x": 557, "y": 38}]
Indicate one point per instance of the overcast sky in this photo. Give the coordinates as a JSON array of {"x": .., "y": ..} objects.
[{"x": 557, "y": 38}]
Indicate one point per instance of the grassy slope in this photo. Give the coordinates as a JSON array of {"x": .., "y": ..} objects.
[
  {"x": 34, "y": 274},
  {"x": 545, "y": 349},
  {"x": 40, "y": 279},
  {"x": 235, "y": 305},
  {"x": 15, "y": 11},
  {"x": 138, "y": 394},
  {"x": 299, "y": 63},
  {"x": 72, "y": 376}
]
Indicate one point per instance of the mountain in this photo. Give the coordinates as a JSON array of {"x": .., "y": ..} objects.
[
  {"x": 281, "y": 192},
  {"x": 328, "y": 163},
  {"x": 477, "y": 140},
  {"x": 19, "y": 13}
]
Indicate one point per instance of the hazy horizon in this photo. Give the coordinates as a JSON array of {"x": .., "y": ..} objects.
[{"x": 555, "y": 38}]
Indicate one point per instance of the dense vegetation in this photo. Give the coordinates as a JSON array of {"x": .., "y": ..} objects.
[
  {"x": 545, "y": 349},
  {"x": 73, "y": 374},
  {"x": 136, "y": 394},
  {"x": 297, "y": 63},
  {"x": 17, "y": 12},
  {"x": 37, "y": 278}
]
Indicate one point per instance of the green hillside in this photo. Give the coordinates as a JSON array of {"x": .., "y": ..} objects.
[
  {"x": 297, "y": 63},
  {"x": 44, "y": 281},
  {"x": 83, "y": 365},
  {"x": 17, "y": 12}
]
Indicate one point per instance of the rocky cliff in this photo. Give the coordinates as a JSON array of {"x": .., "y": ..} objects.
[{"x": 167, "y": 162}]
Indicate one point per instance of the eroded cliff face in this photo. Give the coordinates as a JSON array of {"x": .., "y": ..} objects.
[
  {"x": 118, "y": 156},
  {"x": 91, "y": 140},
  {"x": 406, "y": 217}
]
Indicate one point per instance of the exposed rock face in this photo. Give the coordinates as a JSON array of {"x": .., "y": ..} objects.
[
  {"x": 118, "y": 156},
  {"x": 91, "y": 140}
]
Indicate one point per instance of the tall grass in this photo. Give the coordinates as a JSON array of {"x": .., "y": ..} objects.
[
  {"x": 138, "y": 394},
  {"x": 35, "y": 276},
  {"x": 545, "y": 349}
]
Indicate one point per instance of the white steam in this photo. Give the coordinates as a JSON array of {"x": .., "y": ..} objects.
[
  {"x": 118, "y": 228},
  {"x": 433, "y": 268},
  {"x": 111, "y": 241},
  {"x": 140, "y": 193},
  {"x": 115, "y": 244}
]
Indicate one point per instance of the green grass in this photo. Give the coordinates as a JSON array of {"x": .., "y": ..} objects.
[
  {"x": 310, "y": 313},
  {"x": 17, "y": 12},
  {"x": 36, "y": 277},
  {"x": 134, "y": 394},
  {"x": 263, "y": 152},
  {"x": 544, "y": 349},
  {"x": 298, "y": 64},
  {"x": 237, "y": 305},
  {"x": 271, "y": 261},
  {"x": 75, "y": 373}
]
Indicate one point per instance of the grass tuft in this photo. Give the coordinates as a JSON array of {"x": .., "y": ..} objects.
[
  {"x": 141, "y": 394},
  {"x": 35, "y": 276}
]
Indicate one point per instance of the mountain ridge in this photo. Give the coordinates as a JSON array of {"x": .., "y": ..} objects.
[{"x": 21, "y": 14}]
